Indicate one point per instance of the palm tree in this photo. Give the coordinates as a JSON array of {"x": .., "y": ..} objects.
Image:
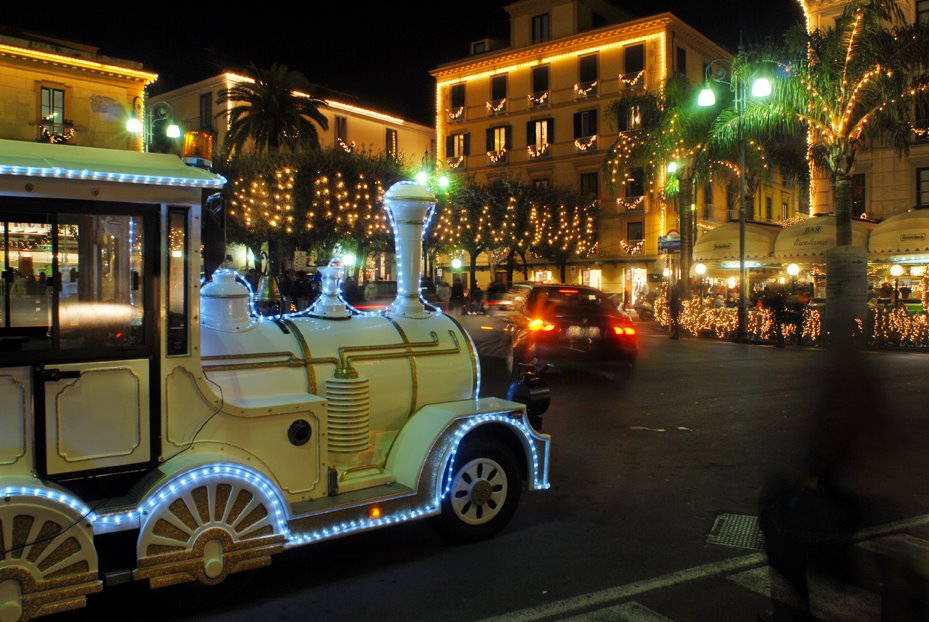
[
  {"x": 845, "y": 86},
  {"x": 273, "y": 109}
]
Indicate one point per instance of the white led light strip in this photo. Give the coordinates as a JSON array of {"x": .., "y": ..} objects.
[{"x": 66, "y": 173}]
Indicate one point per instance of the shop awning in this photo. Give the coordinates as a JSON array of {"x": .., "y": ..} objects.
[
  {"x": 807, "y": 241},
  {"x": 900, "y": 238},
  {"x": 721, "y": 245}
]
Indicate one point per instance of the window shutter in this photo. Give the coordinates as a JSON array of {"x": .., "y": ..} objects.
[
  {"x": 490, "y": 139},
  {"x": 508, "y": 137},
  {"x": 622, "y": 117},
  {"x": 551, "y": 130},
  {"x": 577, "y": 125},
  {"x": 530, "y": 133},
  {"x": 467, "y": 144},
  {"x": 592, "y": 121},
  {"x": 449, "y": 146}
]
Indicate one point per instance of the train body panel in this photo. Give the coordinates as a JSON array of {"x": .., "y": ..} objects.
[{"x": 135, "y": 399}]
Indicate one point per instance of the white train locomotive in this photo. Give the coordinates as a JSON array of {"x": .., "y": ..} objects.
[{"x": 153, "y": 431}]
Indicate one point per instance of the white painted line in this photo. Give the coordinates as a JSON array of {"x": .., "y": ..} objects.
[
  {"x": 829, "y": 600},
  {"x": 560, "y": 609},
  {"x": 627, "y": 612}
]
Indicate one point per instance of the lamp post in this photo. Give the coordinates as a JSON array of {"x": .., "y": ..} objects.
[
  {"x": 896, "y": 271},
  {"x": 161, "y": 112},
  {"x": 761, "y": 87},
  {"x": 700, "y": 269}
]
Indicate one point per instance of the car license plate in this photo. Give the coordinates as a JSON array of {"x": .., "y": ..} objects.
[{"x": 587, "y": 332}]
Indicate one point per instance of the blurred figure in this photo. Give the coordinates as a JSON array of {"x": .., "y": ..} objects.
[
  {"x": 675, "y": 306},
  {"x": 457, "y": 299}
]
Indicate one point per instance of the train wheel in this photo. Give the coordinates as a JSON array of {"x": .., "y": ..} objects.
[
  {"x": 484, "y": 491},
  {"x": 48, "y": 563},
  {"x": 206, "y": 531}
]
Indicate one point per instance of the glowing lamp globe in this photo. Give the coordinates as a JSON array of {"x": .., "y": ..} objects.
[
  {"x": 793, "y": 269},
  {"x": 706, "y": 98},
  {"x": 672, "y": 167},
  {"x": 896, "y": 270},
  {"x": 134, "y": 126},
  {"x": 761, "y": 87},
  {"x": 173, "y": 131},
  {"x": 700, "y": 269},
  {"x": 456, "y": 264},
  {"x": 443, "y": 182},
  {"x": 348, "y": 260},
  {"x": 422, "y": 178}
]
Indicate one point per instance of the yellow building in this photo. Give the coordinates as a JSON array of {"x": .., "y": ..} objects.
[
  {"x": 883, "y": 182},
  {"x": 568, "y": 60},
  {"x": 195, "y": 107},
  {"x": 60, "y": 91}
]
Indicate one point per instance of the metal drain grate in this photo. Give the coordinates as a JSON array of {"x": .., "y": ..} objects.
[{"x": 736, "y": 530}]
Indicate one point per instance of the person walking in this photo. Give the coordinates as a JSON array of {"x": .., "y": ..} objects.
[{"x": 675, "y": 306}]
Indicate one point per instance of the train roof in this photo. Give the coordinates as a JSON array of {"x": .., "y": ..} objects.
[{"x": 32, "y": 159}]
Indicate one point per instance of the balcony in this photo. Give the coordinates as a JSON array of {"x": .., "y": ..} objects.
[
  {"x": 631, "y": 204},
  {"x": 542, "y": 99},
  {"x": 455, "y": 115},
  {"x": 586, "y": 144},
  {"x": 455, "y": 163},
  {"x": 496, "y": 107},
  {"x": 633, "y": 247},
  {"x": 632, "y": 81},
  {"x": 586, "y": 90},
  {"x": 497, "y": 158},
  {"x": 540, "y": 152}
]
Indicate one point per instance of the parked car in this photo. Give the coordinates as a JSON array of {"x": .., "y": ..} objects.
[{"x": 567, "y": 325}]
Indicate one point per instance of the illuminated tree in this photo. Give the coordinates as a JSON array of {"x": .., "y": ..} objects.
[
  {"x": 275, "y": 109},
  {"x": 843, "y": 87},
  {"x": 562, "y": 226}
]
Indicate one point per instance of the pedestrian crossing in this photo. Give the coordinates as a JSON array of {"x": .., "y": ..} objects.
[{"x": 887, "y": 580}]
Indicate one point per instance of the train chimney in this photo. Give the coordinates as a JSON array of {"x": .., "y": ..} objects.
[{"x": 408, "y": 204}]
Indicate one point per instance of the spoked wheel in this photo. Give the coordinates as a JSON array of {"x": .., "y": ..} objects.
[{"x": 483, "y": 492}]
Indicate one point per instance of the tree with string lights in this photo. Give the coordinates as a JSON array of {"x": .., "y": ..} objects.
[
  {"x": 562, "y": 226},
  {"x": 845, "y": 86}
]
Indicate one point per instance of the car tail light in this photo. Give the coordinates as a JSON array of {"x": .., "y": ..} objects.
[
  {"x": 542, "y": 325},
  {"x": 624, "y": 330}
]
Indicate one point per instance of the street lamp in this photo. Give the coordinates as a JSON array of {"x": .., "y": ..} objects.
[
  {"x": 700, "y": 269},
  {"x": 896, "y": 271},
  {"x": 793, "y": 270},
  {"x": 760, "y": 87},
  {"x": 159, "y": 113}
]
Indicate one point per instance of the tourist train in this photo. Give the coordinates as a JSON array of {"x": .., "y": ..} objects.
[{"x": 154, "y": 427}]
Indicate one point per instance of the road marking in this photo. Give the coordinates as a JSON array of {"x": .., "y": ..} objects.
[
  {"x": 627, "y": 612},
  {"x": 829, "y": 599},
  {"x": 600, "y": 599},
  {"x": 560, "y": 609}
]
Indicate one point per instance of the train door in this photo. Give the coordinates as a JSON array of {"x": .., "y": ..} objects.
[{"x": 79, "y": 308}]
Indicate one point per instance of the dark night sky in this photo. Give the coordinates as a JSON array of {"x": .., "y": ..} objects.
[{"x": 380, "y": 53}]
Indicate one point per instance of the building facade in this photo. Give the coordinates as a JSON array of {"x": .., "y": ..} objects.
[
  {"x": 539, "y": 111},
  {"x": 351, "y": 126},
  {"x": 59, "y": 91}
]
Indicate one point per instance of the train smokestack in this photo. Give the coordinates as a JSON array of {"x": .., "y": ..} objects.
[{"x": 408, "y": 204}]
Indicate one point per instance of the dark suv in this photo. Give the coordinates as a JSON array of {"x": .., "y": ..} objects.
[{"x": 567, "y": 324}]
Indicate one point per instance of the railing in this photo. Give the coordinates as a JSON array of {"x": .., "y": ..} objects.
[
  {"x": 497, "y": 106},
  {"x": 455, "y": 162},
  {"x": 634, "y": 80},
  {"x": 455, "y": 115},
  {"x": 586, "y": 144},
  {"x": 497, "y": 158},
  {"x": 539, "y": 152},
  {"x": 633, "y": 247},
  {"x": 587, "y": 90},
  {"x": 541, "y": 99}
]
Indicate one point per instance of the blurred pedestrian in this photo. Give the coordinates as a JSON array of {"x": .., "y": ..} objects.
[{"x": 675, "y": 306}]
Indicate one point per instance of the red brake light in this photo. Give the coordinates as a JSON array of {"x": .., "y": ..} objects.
[
  {"x": 569, "y": 291},
  {"x": 540, "y": 324},
  {"x": 623, "y": 330}
]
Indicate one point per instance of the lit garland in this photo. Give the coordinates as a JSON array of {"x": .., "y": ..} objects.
[
  {"x": 497, "y": 157},
  {"x": 537, "y": 152},
  {"x": 496, "y": 107},
  {"x": 539, "y": 101},
  {"x": 455, "y": 162},
  {"x": 583, "y": 92},
  {"x": 455, "y": 114},
  {"x": 633, "y": 249},
  {"x": 629, "y": 205},
  {"x": 633, "y": 80},
  {"x": 586, "y": 144},
  {"x": 349, "y": 148}
]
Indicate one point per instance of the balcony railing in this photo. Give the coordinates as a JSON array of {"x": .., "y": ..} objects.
[
  {"x": 631, "y": 204},
  {"x": 497, "y": 106},
  {"x": 633, "y": 247},
  {"x": 586, "y": 144},
  {"x": 455, "y": 162},
  {"x": 634, "y": 81},
  {"x": 539, "y": 152},
  {"x": 455, "y": 114},
  {"x": 497, "y": 158},
  {"x": 587, "y": 90},
  {"x": 542, "y": 99}
]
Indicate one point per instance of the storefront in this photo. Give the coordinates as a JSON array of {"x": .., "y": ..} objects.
[
  {"x": 716, "y": 254},
  {"x": 899, "y": 253}
]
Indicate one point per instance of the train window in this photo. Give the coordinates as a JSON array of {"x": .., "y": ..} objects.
[
  {"x": 26, "y": 291},
  {"x": 177, "y": 282},
  {"x": 100, "y": 260}
]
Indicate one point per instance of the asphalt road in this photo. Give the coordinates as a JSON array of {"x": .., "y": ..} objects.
[{"x": 642, "y": 465}]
